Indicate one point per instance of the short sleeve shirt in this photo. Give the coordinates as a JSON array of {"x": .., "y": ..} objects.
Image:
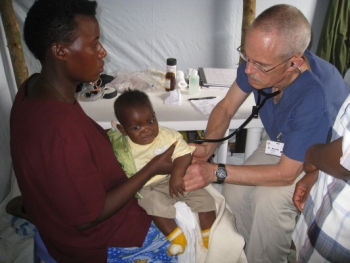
[{"x": 306, "y": 111}]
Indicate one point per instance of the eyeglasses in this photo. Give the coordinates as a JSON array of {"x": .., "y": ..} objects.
[{"x": 256, "y": 64}]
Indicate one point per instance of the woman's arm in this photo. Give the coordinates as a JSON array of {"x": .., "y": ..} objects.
[{"x": 118, "y": 196}]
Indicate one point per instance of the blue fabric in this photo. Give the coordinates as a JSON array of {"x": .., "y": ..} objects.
[
  {"x": 153, "y": 250},
  {"x": 40, "y": 251},
  {"x": 307, "y": 109},
  {"x": 22, "y": 226}
]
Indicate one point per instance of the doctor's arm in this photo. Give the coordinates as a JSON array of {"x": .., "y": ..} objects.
[
  {"x": 219, "y": 121},
  {"x": 200, "y": 174}
]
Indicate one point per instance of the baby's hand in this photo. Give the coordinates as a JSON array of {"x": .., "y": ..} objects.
[{"x": 176, "y": 186}]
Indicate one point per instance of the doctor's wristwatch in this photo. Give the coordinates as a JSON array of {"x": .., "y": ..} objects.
[{"x": 221, "y": 173}]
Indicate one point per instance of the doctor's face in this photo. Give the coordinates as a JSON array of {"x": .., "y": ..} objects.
[{"x": 264, "y": 68}]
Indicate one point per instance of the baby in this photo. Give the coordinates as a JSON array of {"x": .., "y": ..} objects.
[{"x": 138, "y": 140}]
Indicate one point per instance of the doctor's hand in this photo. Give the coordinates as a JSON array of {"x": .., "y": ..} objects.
[
  {"x": 199, "y": 174},
  {"x": 303, "y": 188},
  {"x": 203, "y": 151}
]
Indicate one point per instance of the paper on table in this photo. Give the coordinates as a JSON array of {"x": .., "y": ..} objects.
[
  {"x": 218, "y": 77},
  {"x": 205, "y": 106}
]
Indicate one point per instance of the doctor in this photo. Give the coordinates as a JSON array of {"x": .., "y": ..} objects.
[{"x": 311, "y": 92}]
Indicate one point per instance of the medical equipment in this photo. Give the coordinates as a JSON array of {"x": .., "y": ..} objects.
[{"x": 254, "y": 113}]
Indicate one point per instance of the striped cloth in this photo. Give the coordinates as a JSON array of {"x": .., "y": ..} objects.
[{"x": 322, "y": 233}]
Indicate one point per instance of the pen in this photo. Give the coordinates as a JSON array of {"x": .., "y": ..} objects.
[
  {"x": 203, "y": 98},
  {"x": 279, "y": 137}
]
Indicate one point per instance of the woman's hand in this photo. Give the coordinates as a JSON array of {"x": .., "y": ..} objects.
[{"x": 162, "y": 163}]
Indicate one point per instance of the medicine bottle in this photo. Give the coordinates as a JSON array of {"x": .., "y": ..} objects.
[
  {"x": 193, "y": 82},
  {"x": 170, "y": 76}
]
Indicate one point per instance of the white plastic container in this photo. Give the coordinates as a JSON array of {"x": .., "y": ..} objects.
[{"x": 193, "y": 82}]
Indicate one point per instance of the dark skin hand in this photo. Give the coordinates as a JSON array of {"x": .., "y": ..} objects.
[
  {"x": 176, "y": 182},
  {"x": 303, "y": 188},
  {"x": 324, "y": 157},
  {"x": 118, "y": 196}
]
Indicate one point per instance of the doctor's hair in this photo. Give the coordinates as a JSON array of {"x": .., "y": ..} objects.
[
  {"x": 290, "y": 26},
  {"x": 129, "y": 99},
  {"x": 53, "y": 21}
]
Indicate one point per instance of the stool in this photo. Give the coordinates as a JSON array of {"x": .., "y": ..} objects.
[{"x": 40, "y": 252}]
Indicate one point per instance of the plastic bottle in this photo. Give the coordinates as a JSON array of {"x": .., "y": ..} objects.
[
  {"x": 193, "y": 82},
  {"x": 180, "y": 80},
  {"x": 170, "y": 76}
]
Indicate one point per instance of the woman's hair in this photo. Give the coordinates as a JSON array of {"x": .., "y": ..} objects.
[
  {"x": 289, "y": 25},
  {"x": 50, "y": 21},
  {"x": 129, "y": 99}
]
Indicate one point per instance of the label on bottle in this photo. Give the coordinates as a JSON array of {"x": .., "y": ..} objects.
[
  {"x": 170, "y": 81},
  {"x": 171, "y": 69},
  {"x": 167, "y": 84}
]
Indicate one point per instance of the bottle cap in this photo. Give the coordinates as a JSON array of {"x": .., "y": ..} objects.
[
  {"x": 194, "y": 72},
  {"x": 171, "y": 61}
]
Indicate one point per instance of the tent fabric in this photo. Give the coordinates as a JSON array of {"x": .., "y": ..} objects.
[
  {"x": 137, "y": 35},
  {"x": 334, "y": 44}
]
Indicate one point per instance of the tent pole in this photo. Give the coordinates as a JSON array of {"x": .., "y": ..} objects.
[{"x": 14, "y": 41}]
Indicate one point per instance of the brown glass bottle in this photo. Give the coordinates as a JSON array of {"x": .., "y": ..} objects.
[{"x": 170, "y": 77}]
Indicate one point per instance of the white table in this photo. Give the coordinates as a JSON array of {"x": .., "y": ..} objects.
[{"x": 184, "y": 117}]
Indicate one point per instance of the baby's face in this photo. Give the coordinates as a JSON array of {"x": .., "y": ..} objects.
[{"x": 141, "y": 125}]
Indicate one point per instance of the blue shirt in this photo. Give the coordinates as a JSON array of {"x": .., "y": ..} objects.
[{"x": 306, "y": 111}]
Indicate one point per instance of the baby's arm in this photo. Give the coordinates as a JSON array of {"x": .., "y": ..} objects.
[{"x": 176, "y": 184}]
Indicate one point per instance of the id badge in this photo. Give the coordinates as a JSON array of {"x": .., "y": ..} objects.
[{"x": 274, "y": 148}]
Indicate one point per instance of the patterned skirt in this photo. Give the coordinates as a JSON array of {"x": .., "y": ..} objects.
[{"x": 153, "y": 250}]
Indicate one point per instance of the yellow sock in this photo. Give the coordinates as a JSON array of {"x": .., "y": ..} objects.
[
  {"x": 177, "y": 241},
  {"x": 205, "y": 235}
]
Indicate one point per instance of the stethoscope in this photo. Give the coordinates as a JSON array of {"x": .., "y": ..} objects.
[{"x": 254, "y": 114}]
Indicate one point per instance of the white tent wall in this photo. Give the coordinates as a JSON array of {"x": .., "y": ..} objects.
[{"x": 140, "y": 34}]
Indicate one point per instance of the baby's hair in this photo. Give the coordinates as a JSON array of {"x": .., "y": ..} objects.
[{"x": 128, "y": 99}]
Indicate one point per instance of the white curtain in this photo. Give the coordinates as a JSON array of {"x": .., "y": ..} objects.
[
  {"x": 15, "y": 246},
  {"x": 8, "y": 90}
]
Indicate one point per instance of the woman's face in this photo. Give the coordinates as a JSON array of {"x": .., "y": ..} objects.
[{"x": 85, "y": 54}]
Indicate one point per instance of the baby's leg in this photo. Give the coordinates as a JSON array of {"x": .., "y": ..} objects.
[
  {"x": 173, "y": 233},
  {"x": 206, "y": 220},
  {"x": 201, "y": 202},
  {"x": 165, "y": 225}
]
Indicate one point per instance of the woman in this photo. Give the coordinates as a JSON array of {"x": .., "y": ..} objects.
[{"x": 73, "y": 188}]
